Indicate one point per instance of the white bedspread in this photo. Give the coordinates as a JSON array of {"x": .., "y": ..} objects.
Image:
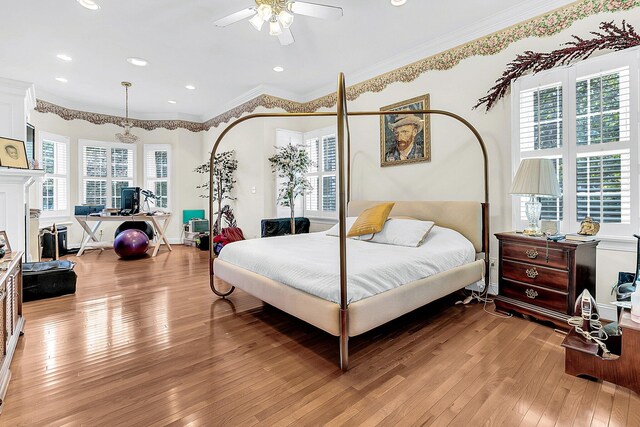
[{"x": 310, "y": 262}]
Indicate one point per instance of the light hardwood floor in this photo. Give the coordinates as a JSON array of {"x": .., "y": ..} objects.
[{"x": 146, "y": 343}]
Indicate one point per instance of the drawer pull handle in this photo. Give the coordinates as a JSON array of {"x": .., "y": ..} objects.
[
  {"x": 532, "y": 253},
  {"x": 532, "y": 273},
  {"x": 531, "y": 293}
]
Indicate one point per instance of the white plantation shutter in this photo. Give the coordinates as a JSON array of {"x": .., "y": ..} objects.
[
  {"x": 541, "y": 118},
  {"x": 55, "y": 186},
  {"x": 321, "y": 200},
  {"x": 585, "y": 117},
  {"x": 106, "y": 168},
  {"x": 156, "y": 172}
]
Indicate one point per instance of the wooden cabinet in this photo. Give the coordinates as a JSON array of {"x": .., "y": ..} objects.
[
  {"x": 543, "y": 278},
  {"x": 11, "y": 320}
]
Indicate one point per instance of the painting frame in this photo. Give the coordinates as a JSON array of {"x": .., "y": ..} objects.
[
  {"x": 422, "y": 139},
  {"x": 13, "y": 153},
  {"x": 5, "y": 239}
]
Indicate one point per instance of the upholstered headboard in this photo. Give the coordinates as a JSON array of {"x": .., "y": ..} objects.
[{"x": 464, "y": 217}]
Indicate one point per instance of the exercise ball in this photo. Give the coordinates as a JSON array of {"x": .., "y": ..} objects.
[
  {"x": 138, "y": 225},
  {"x": 131, "y": 243}
]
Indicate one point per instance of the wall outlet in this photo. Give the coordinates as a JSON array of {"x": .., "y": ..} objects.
[{"x": 493, "y": 262}]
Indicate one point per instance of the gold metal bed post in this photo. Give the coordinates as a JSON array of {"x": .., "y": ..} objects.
[{"x": 344, "y": 189}]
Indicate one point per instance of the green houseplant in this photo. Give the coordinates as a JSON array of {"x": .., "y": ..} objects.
[
  {"x": 225, "y": 166},
  {"x": 291, "y": 163}
]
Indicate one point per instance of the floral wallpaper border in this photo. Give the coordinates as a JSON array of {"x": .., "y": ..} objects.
[{"x": 542, "y": 26}]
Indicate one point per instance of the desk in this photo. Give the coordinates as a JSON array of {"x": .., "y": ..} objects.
[{"x": 159, "y": 223}]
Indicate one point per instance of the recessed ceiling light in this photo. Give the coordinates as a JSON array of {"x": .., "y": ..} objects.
[
  {"x": 61, "y": 79},
  {"x": 398, "y": 2},
  {"x": 138, "y": 62},
  {"x": 89, "y": 4},
  {"x": 278, "y": 69},
  {"x": 171, "y": 101},
  {"x": 64, "y": 57},
  {"x": 190, "y": 87}
]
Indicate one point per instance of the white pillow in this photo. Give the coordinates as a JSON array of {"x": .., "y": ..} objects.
[
  {"x": 402, "y": 232},
  {"x": 399, "y": 232},
  {"x": 335, "y": 230}
]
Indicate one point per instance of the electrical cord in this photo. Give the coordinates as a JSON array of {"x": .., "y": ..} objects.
[
  {"x": 598, "y": 335},
  {"x": 475, "y": 296}
]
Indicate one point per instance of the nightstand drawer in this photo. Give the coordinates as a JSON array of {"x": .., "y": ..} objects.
[
  {"x": 541, "y": 297},
  {"x": 536, "y": 275},
  {"x": 535, "y": 254}
]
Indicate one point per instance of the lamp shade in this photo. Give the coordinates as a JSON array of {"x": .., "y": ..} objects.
[{"x": 536, "y": 177}]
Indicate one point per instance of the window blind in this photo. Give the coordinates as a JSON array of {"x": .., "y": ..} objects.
[
  {"x": 590, "y": 131},
  {"x": 321, "y": 200},
  {"x": 541, "y": 118},
  {"x": 156, "y": 164},
  {"x": 106, "y": 169},
  {"x": 55, "y": 194}
]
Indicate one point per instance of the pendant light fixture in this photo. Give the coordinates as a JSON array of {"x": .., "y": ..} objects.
[{"x": 127, "y": 137}]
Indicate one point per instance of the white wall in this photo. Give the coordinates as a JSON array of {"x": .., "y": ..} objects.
[{"x": 185, "y": 156}]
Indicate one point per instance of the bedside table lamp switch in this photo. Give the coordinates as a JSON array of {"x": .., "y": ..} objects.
[{"x": 535, "y": 178}]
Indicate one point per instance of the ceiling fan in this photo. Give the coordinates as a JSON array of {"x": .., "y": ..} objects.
[{"x": 279, "y": 14}]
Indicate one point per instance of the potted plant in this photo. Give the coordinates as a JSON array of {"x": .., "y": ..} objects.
[
  {"x": 224, "y": 167},
  {"x": 291, "y": 163}
]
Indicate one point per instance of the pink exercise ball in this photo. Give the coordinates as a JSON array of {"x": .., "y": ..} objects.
[{"x": 131, "y": 243}]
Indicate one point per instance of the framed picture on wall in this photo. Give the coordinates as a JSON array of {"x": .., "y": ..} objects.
[
  {"x": 13, "y": 153},
  {"x": 4, "y": 239},
  {"x": 405, "y": 138}
]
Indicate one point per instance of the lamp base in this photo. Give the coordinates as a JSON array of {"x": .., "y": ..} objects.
[{"x": 533, "y": 209}]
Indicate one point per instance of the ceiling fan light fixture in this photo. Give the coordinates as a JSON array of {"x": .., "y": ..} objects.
[
  {"x": 265, "y": 12},
  {"x": 257, "y": 21},
  {"x": 275, "y": 29},
  {"x": 286, "y": 18}
]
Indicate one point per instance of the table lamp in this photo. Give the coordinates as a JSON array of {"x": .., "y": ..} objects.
[{"x": 535, "y": 178}]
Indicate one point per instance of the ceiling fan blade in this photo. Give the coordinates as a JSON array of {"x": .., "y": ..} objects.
[
  {"x": 316, "y": 10},
  {"x": 235, "y": 17},
  {"x": 286, "y": 37}
]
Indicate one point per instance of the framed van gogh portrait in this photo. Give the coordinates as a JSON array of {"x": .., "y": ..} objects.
[{"x": 405, "y": 138}]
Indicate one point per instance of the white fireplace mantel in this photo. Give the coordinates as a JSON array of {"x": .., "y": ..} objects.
[{"x": 14, "y": 204}]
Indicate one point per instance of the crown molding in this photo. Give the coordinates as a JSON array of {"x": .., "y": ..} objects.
[{"x": 436, "y": 55}]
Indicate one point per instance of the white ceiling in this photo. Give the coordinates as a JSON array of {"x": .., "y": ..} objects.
[{"x": 227, "y": 65}]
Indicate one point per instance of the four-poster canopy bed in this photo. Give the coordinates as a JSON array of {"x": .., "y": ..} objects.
[{"x": 346, "y": 316}]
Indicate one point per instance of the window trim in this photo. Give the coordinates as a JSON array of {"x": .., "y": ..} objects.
[
  {"x": 152, "y": 148},
  {"x": 108, "y": 145},
  {"x": 59, "y": 139},
  {"x": 570, "y": 151}
]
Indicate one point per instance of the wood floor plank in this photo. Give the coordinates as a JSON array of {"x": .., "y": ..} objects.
[{"x": 146, "y": 343}]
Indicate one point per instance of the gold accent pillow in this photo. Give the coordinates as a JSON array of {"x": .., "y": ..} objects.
[{"x": 371, "y": 220}]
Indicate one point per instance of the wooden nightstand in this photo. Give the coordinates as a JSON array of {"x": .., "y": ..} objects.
[{"x": 543, "y": 279}]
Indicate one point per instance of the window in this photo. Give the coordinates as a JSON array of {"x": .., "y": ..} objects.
[
  {"x": 54, "y": 158},
  {"x": 156, "y": 172},
  {"x": 582, "y": 117},
  {"x": 321, "y": 200},
  {"x": 106, "y": 168}
]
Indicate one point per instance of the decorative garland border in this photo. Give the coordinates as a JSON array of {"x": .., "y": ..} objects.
[{"x": 545, "y": 25}]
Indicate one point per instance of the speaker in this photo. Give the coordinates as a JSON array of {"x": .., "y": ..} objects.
[{"x": 130, "y": 200}]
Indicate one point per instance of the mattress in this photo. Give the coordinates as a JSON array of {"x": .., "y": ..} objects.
[{"x": 310, "y": 262}]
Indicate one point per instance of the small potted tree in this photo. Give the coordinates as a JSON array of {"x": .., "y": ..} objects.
[
  {"x": 291, "y": 163},
  {"x": 223, "y": 182}
]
